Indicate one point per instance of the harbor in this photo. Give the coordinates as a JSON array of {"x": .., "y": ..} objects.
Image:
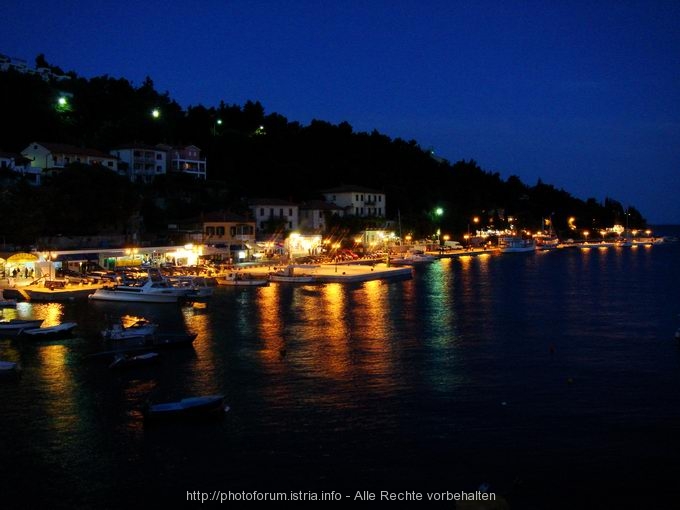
[{"x": 332, "y": 386}]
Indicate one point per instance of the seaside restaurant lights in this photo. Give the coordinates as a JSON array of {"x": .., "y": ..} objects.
[
  {"x": 186, "y": 255},
  {"x": 299, "y": 245}
]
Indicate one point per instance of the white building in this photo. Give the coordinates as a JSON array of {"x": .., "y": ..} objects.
[
  {"x": 357, "y": 200},
  {"x": 45, "y": 155},
  {"x": 272, "y": 211},
  {"x": 144, "y": 162}
]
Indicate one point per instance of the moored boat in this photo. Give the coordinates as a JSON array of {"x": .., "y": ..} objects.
[
  {"x": 241, "y": 279},
  {"x": 412, "y": 258},
  {"x": 205, "y": 406},
  {"x": 16, "y": 326},
  {"x": 516, "y": 244},
  {"x": 149, "y": 292},
  {"x": 288, "y": 275},
  {"x": 9, "y": 369},
  {"x": 7, "y": 303},
  {"x": 59, "y": 331},
  {"x": 198, "y": 288},
  {"x": 139, "y": 329},
  {"x": 122, "y": 360}
]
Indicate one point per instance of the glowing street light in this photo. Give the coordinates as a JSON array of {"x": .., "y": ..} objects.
[
  {"x": 585, "y": 235},
  {"x": 438, "y": 213},
  {"x": 218, "y": 122},
  {"x": 156, "y": 113}
]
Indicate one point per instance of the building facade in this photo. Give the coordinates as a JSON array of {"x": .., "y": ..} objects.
[
  {"x": 22, "y": 166},
  {"x": 357, "y": 200},
  {"x": 314, "y": 213},
  {"x": 187, "y": 160},
  {"x": 46, "y": 155},
  {"x": 273, "y": 214},
  {"x": 141, "y": 163}
]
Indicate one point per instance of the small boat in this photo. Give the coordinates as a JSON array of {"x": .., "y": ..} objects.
[
  {"x": 140, "y": 329},
  {"x": 122, "y": 360},
  {"x": 7, "y": 303},
  {"x": 516, "y": 244},
  {"x": 59, "y": 331},
  {"x": 288, "y": 275},
  {"x": 9, "y": 369},
  {"x": 243, "y": 279},
  {"x": 188, "y": 408},
  {"x": 198, "y": 288},
  {"x": 16, "y": 326},
  {"x": 412, "y": 258}
]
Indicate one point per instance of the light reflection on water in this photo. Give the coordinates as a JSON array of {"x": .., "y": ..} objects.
[{"x": 454, "y": 377}]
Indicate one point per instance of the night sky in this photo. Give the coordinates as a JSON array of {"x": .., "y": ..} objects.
[{"x": 583, "y": 95}]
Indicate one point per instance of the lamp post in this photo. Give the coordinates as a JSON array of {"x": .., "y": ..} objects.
[
  {"x": 218, "y": 122},
  {"x": 438, "y": 213},
  {"x": 335, "y": 248},
  {"x": 475, "y": 220},
  {"x": 585, "y": 235}
]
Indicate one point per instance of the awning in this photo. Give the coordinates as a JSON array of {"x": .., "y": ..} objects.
[
  {"x": 22, "y": 258},
  {"x": 78, "y": 256}
]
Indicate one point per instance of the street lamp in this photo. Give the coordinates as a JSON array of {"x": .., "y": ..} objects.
[
  {"x": 156, "y": 113},
  {"x": 585, "y": 235},
  {"x": 335, "y": 247},
  {"x": 218, "y": 122},
  {"x": 438, "y": 213},
  {"x": 475, "y": 220}
]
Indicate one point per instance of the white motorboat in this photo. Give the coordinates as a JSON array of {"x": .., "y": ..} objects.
[
  {"x": 147, "y": 291},
  {"x": 515, "y": 244},
  {"x": 141, "y": 328},
  {"x": 197, "y": 288}
]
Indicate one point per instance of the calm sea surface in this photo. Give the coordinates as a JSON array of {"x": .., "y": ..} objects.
[{"x": 552, "y": 377}]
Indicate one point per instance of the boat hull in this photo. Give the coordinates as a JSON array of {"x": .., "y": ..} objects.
[
  {"x": 186, "y": 409},
  {"x": 14, "y": 327},
  {"x": 292, "y": 279},
  {"x": 129, "y": 297},
  {"x": 62, "y": 330}
]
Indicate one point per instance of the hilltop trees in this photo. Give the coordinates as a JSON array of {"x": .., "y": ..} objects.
[{"x": 251, "y": 153}]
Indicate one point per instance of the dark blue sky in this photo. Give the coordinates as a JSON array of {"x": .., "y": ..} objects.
[{"x": 584, "y": 95}]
